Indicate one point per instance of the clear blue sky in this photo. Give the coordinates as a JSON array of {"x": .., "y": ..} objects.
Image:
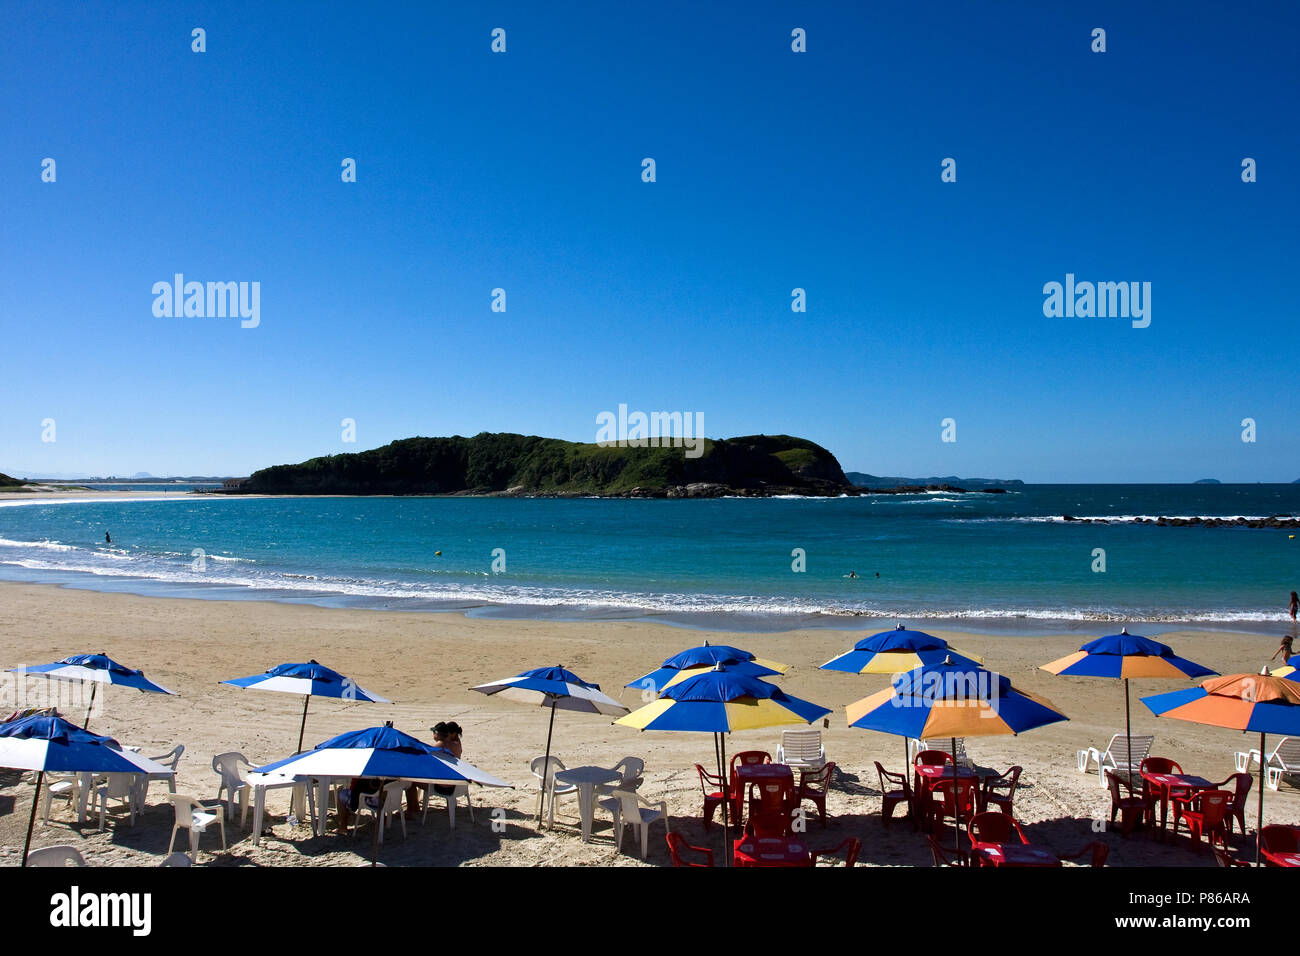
[{"x": 775, "y": 170}]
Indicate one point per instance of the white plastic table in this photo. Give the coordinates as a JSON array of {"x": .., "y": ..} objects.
[
  {"x": 259, "y": 783},
  {"x": 586, "y": 780}
]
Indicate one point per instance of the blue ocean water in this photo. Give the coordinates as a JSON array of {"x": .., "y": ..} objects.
[{"x": 987, "y": 561}]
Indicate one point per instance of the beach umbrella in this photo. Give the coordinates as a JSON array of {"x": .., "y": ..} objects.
[
  {"x": 697, "y": 660},
  {"x": 718, "y": 702},
  {"x": 558, "y": 689},
  {"x": 382, "y": 752},
  {"x": 1126, "y": 655},
  {"x": 42, "y": 743},
  {"x": 952, "y": 700},
  {"x": 312, "y": 679},
  {"x": 895, "y": 652},
  {"x": 98, "y": 669},
  {"x": 1254, "y": 703}
]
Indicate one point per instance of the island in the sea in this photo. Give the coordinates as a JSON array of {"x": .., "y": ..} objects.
[{"x": 531, "y": 466}]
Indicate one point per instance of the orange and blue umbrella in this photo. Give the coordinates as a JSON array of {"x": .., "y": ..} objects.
[
  {"x": 896, "y": 651},
  {"x": 952, "y": 700},
  {"x": 1125, "y": 656},
  {"x": 1253, "y": 703},
  {"x": 698, "y": 660}
]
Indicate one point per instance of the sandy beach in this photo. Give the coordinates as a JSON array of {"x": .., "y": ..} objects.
[{"x": 426, "y": 663}]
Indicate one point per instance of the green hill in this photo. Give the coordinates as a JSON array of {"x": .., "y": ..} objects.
[
  {"x": 496, "y": 463},
  {"x": 7, "y": 482}
]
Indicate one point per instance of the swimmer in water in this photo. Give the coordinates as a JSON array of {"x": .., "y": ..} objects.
[
  {"x": 853, "y": 574},
  {"x": 107, "y": 539}
]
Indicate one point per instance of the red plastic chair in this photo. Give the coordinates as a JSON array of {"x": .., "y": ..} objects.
[
  {"x": 1134, "y": 809},
  {"x": 942, "y": 805},
  {"x": 713, "y": 798},
  {"x": 1222, "y": 855},
  {"x": 933, "y": 758},
  {"x": 814, "y": 785},
  {"x": 1239, "y": 784},
  {"x": 892, "y": 798},
  {"x": 677, "y": 844},
  {"x": 1204, "y": 812},
  {"x": 771, "y": 806},
  {"x": 1096, "y": 851},
  {"x": 1000, "y": 791},
  {"x": 851, "y": 847},
  {"x": 1278, "y": 839},
  {"x": 994, "y": 828},
  {"x": 946, "y": 855}
]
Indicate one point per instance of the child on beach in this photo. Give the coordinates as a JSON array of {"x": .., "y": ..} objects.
[{"x": 1284, "y": 649}]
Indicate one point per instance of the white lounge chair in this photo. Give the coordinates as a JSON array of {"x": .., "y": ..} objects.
[
  {"x": 548, "y": 786},
  {"x": 233, "y": 784},
  {"x": 802, "y": 749},
  {"x": 196, "y": 818},
  {"x": 1283, "y": 761},
  {"x": 632, "y": 809},
  {"x": 1116, "y": 757}
]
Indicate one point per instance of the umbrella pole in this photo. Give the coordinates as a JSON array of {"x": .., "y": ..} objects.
[
  {"x": 303, "y": 729},
  {"x": 726, "y": 800},
  {"x": 546, "y": 766},
  {"x": 94, "y": 686},
  {"x": 1259, "y": 822},
  {"x": 31, "y": 821},
  {"x": 1128, "y": 735},
  {"x": 956, "y": 807}
]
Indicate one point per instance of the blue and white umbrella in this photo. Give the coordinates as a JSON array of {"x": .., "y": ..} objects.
[
  {"x": 385, "y": 753},
  {"x": 311, "y": 679},
  {"x": 42, "y": 743},
  {"x": 556, "y": 688},
  {"x": 98, "y": 669}
]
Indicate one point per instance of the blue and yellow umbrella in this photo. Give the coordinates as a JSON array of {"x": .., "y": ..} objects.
[
  {"x": 699, "y": 660},
  {"x": 1254, "y": 703},
  {"x": 1126, "y": 655},
  {"x": 896, "y": 651},
  {"x": 718, "y": 702}
]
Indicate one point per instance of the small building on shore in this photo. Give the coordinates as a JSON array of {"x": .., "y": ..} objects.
[{"x": 233, "y": 484}]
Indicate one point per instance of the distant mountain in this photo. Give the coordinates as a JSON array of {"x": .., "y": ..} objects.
[
  {"x": 974, "y": 484},
  {"x": 7, "y": 482},
  {"x": 1207, "y": 481},
  {"x": 527, "y": 465}
]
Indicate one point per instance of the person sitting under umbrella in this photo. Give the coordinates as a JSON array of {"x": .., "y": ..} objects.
[{"x": 446, "y": 734}]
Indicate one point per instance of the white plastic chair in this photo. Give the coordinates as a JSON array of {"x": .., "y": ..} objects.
[
  {"x": 118, "y": 786},
  {"x": 233, "y": 783},
  {"x": 55, "y": 856},
  {"x": 1283, "y": 760},
  {"x": 382, "y": 806},
  {"x": 547, "y": 784},
  {"x": 1116, "y": 757},
  {"x": 802, "y": 749},
  {"x": 65, "y": 788},
  {"x": 169, "y": 760},
  {"x": 630, "y": 769},
  {"x": 632, "y": 809},
  {"x": 193, "y": 816},
  {"x": 460, "y": 790}
]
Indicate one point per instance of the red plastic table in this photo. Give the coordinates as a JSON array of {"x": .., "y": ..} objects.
[
  {"x": 1015, "y": 854},
  {"x": 1164, "y": 784},
  {"x": 927, "y": 775},
  {"x": 772, "y": 851},
  {"x": 758, "y": 773}
]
